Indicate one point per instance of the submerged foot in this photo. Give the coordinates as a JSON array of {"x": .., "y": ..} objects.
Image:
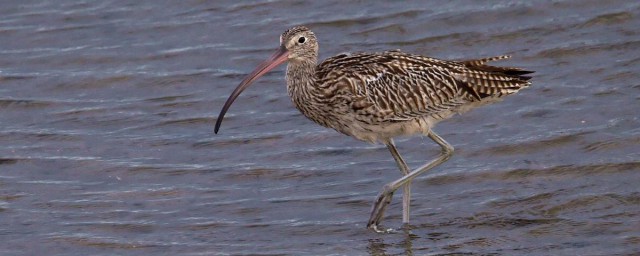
[{"x": 377, "y": 213}]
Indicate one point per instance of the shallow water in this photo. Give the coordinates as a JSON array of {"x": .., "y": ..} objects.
[{"x": 107, "y": 113}]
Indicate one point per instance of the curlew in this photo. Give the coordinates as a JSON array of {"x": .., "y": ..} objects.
[{"x": 375, "y": 97}]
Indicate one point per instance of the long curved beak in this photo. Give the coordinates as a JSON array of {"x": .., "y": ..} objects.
[{"x": 279, "y": 57}]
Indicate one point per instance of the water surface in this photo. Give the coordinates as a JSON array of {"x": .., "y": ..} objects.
[{"x": 107, "y": 146}]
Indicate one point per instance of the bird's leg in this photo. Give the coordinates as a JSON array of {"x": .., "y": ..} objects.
[
  {"x": 384, "y": 198},
  {"x": 406, "y": 193}
]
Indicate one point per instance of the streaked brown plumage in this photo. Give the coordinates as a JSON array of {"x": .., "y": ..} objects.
[{"x": 375, "y": 97}]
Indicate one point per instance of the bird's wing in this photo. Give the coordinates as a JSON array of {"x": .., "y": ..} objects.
[
  {"x": 391, "y": 86},
  {"x": 396, "y": 86}
]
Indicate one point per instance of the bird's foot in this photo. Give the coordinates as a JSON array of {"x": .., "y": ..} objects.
[
  {"x": 406, "y": 227},
  {"x": 381, "y": 203},
  {"x": 379, "y": 230}
]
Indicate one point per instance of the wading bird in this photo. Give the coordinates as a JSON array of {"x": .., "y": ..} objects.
[{"x": 375, "y": 97}]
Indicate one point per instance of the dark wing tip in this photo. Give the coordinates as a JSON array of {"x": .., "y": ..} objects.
[{"x": 480, "y": 64}]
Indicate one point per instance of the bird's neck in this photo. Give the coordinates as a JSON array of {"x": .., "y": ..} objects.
[
  {"x": 301, "y": 80},
  {"x": 304, "y": 91}
]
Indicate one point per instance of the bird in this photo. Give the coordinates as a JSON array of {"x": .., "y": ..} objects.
[{"x": 376, "y": 97}]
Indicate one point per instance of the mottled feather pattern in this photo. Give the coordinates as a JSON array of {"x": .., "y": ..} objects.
[
  {"x": 377, "y": 96},
  {"x": 396, "y": 86}
]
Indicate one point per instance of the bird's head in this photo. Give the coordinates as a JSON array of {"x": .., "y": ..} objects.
[
  {"x": 297, "y": 45},
  {"x": 300, "y": 43}
]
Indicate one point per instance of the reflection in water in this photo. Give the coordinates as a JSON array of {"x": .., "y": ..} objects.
[{"x": 377, "y": 246}]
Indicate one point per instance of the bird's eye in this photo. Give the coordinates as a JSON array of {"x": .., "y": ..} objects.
[{"x": 302, "y": 40}]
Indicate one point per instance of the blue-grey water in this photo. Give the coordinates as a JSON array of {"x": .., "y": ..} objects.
[{"x": 107, "y": 146}]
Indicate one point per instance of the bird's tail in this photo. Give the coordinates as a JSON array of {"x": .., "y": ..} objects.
[{"x": 484, "y": 80}]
